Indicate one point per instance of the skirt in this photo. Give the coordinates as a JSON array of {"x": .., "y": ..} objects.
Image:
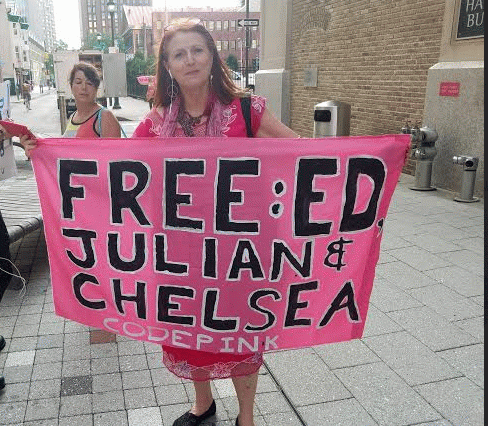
[{"x": 202, "y": 366}]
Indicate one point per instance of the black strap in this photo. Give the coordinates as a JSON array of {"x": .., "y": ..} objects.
[{"x": 246, "y": 112}]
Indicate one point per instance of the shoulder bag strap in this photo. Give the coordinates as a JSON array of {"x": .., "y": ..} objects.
[
  {"x": 99, "y": 118},
  {"x": 246, "y": 112}
]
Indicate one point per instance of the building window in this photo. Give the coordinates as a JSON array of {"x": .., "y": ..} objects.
[
  {"x": 219, "y": 45},
  {"x": 254, "y": 44},
  {"x": 233, "y": 25},
  {"x": 210, "y": 25},
  {"x": 225, "y": 45},
  {"x": 218, "y": 26},
  {"x": 226, "y": 25},
  {"x": 232, "y": 45}
]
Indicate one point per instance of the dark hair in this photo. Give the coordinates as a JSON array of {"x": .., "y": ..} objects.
[
  {"x": 221, "y": 82},
  {"x": 91, "y": 73}
]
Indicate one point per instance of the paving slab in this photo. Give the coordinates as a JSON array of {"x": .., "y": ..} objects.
[
  {"x": 385, "y": 396},
  {"x": 458, "y": 400}
]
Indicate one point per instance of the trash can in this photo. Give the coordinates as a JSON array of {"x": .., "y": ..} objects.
[{"x": 331, "y": 118}]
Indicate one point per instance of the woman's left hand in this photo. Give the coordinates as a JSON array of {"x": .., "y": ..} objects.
[{"x": 28, "y": 144}]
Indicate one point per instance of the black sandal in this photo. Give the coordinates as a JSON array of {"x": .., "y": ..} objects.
[{"x": 190, "y": 419}]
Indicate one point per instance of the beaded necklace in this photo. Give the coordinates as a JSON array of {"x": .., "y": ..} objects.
[{"x": 188, "y": 123}]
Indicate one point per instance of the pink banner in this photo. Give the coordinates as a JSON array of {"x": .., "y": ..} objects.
[{"x": 223, "y": 245}]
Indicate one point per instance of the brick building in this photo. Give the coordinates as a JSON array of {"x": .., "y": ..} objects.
[
  {"x": 373, "y": 55},
  {"x": 224, "y": 27},
  {"x": 95, "y": 16},
  {"x": 383, "y": 58}
]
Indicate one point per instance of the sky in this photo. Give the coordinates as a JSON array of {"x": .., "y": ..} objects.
[{"x": 67, "y": 20}]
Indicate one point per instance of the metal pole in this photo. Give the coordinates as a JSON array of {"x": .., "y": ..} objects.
[
  {"x": 62, "y": 114},
  {"x": 116, "y": 99},
  {"x": 166, "y": 22},
  {"x": 144, "y": 29},
  {"x": 247, "y": 44},
  {"x": 112, "y": 21}
]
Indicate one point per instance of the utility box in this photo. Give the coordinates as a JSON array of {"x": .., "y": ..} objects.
[
  {"x": 331, "y": 118},
  {"x": 114, "y": 75}
]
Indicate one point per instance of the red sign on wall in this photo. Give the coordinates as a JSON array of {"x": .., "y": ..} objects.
[{"x": 449, "y": 88}]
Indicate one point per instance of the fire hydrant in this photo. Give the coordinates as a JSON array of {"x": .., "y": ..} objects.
[{"x": 423, "y": 150}]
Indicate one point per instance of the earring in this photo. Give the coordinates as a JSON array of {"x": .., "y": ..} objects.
[{"x": 172, "y": 92}]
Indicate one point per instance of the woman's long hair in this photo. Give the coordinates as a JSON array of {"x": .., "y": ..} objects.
[{"x": 220, "y": 81}]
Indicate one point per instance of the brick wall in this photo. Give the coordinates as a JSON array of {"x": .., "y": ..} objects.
[{"x": 372, "y": 54}]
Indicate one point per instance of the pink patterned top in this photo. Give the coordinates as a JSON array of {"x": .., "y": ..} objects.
[
  {"x": 188, "y": 363},
  {"x": 232, "y": 121}
]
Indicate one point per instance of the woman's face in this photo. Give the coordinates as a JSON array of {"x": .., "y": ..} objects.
[
  {"x": 83, "y": 89},
  {"x": 189, "y": 60}
]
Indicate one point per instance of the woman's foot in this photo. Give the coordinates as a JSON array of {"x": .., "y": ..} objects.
[{"x": 190, "y": 419}]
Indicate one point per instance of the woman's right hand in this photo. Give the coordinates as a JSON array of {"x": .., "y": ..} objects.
[
  {"x": 4, "y": 134},
  {"x": 28, "y": 144}
]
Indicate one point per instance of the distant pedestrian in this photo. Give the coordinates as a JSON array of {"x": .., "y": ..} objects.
[
  {"x": 17, "y": 90},
  {"x": 26, "y": 89},
  {"x": 41, "y": 88}
]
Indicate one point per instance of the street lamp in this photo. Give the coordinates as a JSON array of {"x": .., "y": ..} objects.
[{"x": 111, "y": 7}]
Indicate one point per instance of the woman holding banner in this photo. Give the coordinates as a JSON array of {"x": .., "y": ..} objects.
[
  {"x": 196, "y": 97},
  {"x": 90, "y": 120}
]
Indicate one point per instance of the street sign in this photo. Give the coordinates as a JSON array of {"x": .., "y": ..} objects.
[{"x": 247, "y": 23}]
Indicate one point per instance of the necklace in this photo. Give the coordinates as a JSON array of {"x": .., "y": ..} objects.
[{"x": 187, "y": 122}]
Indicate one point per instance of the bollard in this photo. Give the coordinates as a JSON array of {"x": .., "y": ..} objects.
[
  {"x": 470, "y": 165},
  {"x": 424, "y": 151}
]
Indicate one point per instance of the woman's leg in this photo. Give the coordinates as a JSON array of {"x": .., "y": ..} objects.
[
  {"x": 203, "y": 398},
  {"x": 246, "y": 391}
]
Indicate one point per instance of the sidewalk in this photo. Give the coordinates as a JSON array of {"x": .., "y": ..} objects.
[{"x": 420, "y": 361}]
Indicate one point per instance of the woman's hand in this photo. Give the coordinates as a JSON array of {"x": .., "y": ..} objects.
[{"x": 28, "y": 144}]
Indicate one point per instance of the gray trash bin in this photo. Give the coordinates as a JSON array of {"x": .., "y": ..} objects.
[{"x": 331, "y": 118}]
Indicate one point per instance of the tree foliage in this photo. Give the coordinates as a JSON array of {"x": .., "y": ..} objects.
[
  {"x": 92, "y": 43},
  {"x": 232, "y": 62}
]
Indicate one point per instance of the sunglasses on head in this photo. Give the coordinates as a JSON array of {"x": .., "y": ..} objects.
[{"x": 187, "y": 22}]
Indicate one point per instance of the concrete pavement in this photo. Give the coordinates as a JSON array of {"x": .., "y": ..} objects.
[{"x": 420, "y": 361}]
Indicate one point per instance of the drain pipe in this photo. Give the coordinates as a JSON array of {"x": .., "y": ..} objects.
[{"x": 470, "y": 165}]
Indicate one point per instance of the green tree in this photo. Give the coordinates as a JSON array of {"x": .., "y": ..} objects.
[
  {"x": 232, "y": 62},
  {"x": 91, "y": 42}
]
